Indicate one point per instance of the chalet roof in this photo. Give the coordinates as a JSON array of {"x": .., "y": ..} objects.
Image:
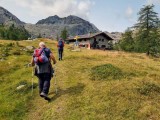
[{"x": 91, "y": 36}]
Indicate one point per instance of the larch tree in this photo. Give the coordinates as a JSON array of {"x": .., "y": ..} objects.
[{"x": 147, "y": 35}]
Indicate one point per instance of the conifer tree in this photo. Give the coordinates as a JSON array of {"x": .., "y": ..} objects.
[
  {"x": 57, "y": 38},
  {"x": 13, "y": 33},
  {"x": 127, "y": 42},
  {"x": 64, "y": 34},
  {"x": 147, "y": 26}
]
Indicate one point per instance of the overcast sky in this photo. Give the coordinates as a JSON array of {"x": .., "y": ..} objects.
[{"x": 106, "y": 15}]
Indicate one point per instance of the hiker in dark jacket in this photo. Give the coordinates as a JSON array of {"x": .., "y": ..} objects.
[
  {"x": 44, "y": 71},
  {"x": 60, "y": 46}
]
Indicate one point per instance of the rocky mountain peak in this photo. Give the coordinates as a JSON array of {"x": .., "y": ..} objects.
[
  {"x": 55, "y": 24},
  {"x": 51, "y": 26},
  {"x": 49, "y": 20},
  {"x": 65, "y": 20},
  {"x": 8, "y": 18}
]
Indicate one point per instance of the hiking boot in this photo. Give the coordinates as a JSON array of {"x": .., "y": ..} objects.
[{"x": 43, "y": 95}]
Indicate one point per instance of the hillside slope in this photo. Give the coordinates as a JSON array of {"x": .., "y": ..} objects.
[
  {"x": 92, "y": 84},
  {"x": 8, "y": 18}
]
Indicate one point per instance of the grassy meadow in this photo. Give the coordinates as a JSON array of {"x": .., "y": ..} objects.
[{"x": 92, "y": 85}]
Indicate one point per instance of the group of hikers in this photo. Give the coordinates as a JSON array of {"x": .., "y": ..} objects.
[{"x": 41, "y": 59}]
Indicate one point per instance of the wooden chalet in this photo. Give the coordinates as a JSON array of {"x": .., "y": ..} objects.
[{"x": 98, "y": 40}]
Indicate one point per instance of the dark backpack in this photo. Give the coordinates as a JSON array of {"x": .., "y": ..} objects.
[
  {"x": 60, "y": 44},
  {"x": 39, "y": 56}
]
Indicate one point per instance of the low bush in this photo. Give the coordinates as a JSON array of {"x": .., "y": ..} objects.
[
  {"x": 148, "y": 88},
  {"x": 107, "y": 71}
]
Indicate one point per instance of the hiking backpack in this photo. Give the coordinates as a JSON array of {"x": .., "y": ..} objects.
[
  {"x": 60, "y": 44},
  {"x": 39, "y": 56}
]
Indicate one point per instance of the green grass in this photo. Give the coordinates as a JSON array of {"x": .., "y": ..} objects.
[
  {"x": 148, "y": 88},
  {"x": 92, "y": 85},
  {"x": 107, "y": 71}
]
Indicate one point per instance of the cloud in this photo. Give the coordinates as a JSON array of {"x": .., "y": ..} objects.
[
  {"x": 62, "y": 8},
  {"x": 129, "y": 14},
  {"x": 150, "y": 2}
]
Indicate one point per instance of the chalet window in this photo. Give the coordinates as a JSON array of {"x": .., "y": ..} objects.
[
  {"x": 83, "y": 45},
  {"x": 103, "y": 46}
]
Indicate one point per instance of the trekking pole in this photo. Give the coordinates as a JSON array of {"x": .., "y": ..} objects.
[
  {"x": 55, "y": 81},
  {"x": 29, "y": 65},
  {"x": 32, "y": 79}
]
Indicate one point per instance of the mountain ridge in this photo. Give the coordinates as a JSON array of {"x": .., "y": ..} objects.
[
  {"x": 7, "y": 17},
  {"x": 51, "y": 26},
  {"x": 71, "y": 19}
]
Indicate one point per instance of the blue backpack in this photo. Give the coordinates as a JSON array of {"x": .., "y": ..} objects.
[{"x": 60, "y": 44}]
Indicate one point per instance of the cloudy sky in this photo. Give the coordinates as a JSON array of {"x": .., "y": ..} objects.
[{"x": 107, "y": 15}]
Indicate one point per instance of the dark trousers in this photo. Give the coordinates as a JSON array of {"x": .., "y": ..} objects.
[
  {"x": 60, "y": 53},
  {"x": 44, "y": 82}
]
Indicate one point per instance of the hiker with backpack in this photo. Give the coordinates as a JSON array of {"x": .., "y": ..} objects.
[
  {"x": 60, "y": 46},
  {"x": 43, "y": 68}
]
